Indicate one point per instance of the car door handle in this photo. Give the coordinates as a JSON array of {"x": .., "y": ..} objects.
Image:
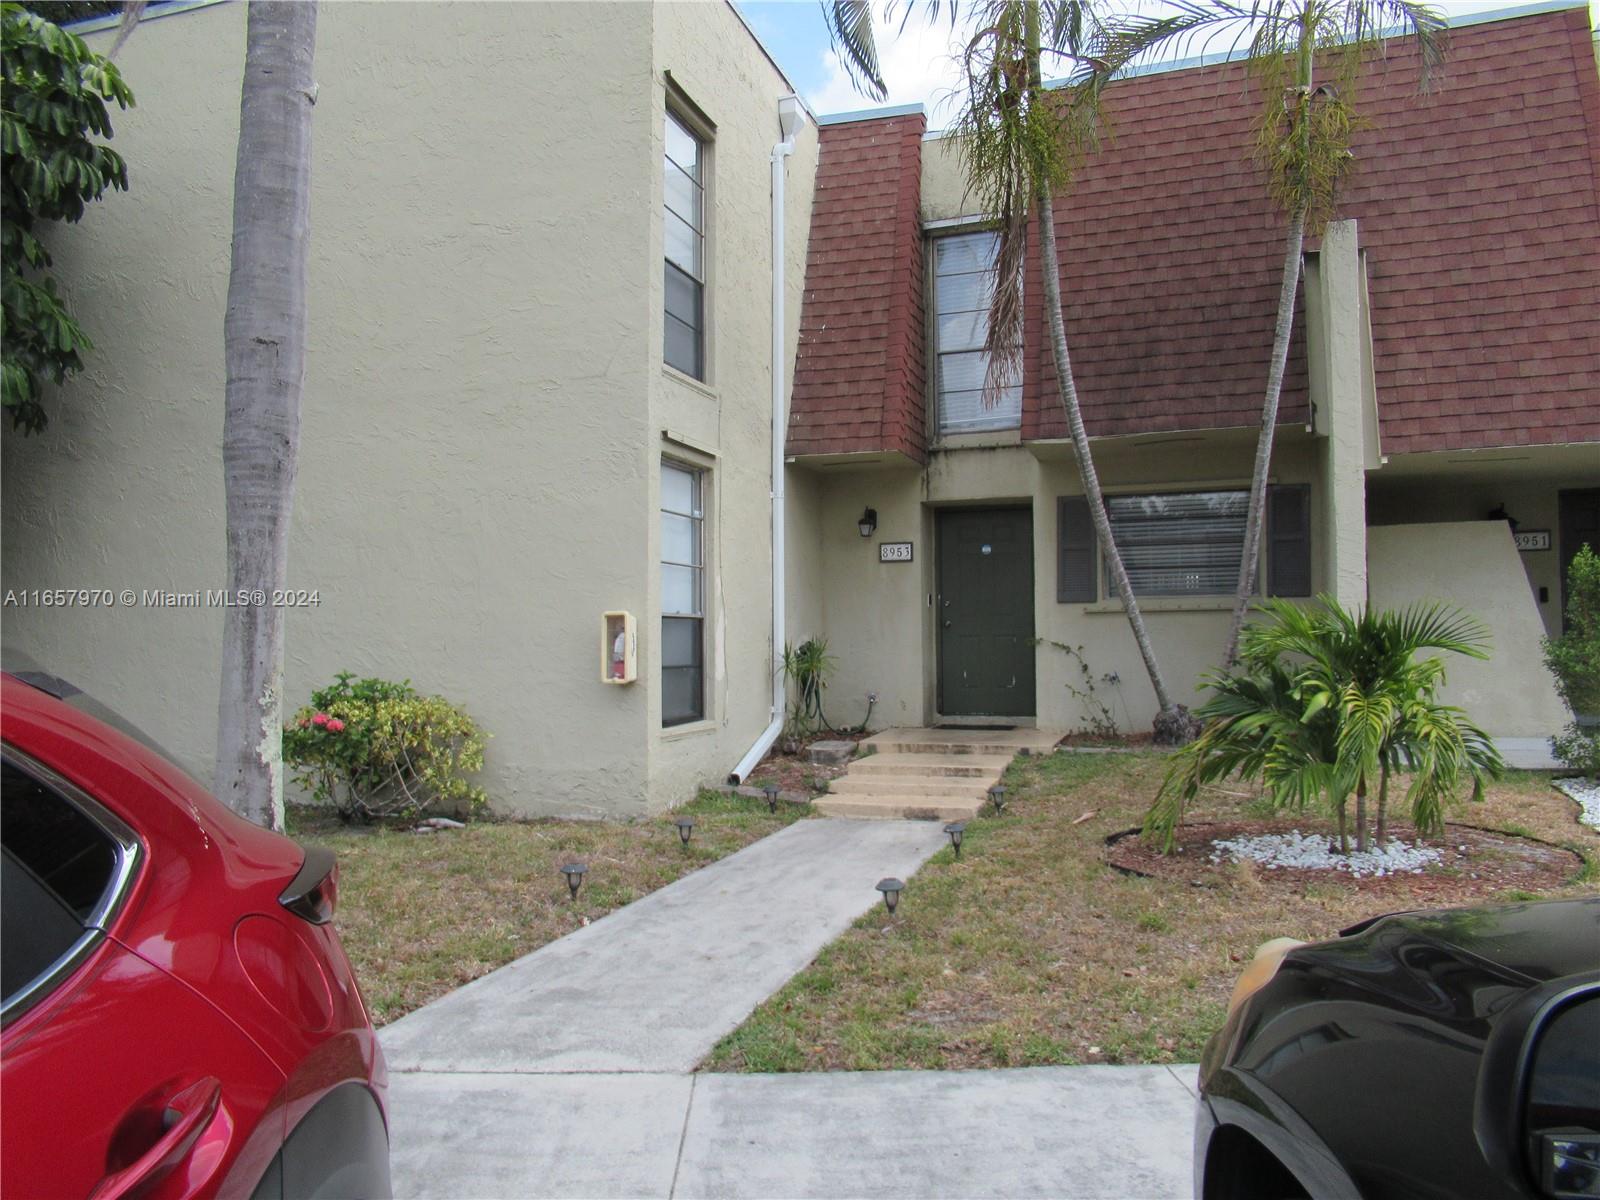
[{"x": 187, "y": 1114}]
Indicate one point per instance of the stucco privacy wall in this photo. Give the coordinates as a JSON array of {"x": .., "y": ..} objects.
[
  {"x": 726, "y": 423},
  {"x": 878, "y": 615},
  {"x": 473, "y": 489},
  {"x": 1473, "y": 565},
  {"x": 1535, "y": 503}
]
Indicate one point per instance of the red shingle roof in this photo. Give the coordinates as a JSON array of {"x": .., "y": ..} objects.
[
  {"x": 858, "y": 378},
  {"x": 1478, "y": 206}
]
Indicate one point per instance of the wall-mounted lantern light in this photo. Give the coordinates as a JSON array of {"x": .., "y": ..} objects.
[
  {"x": 956, "y": 829},
  {"x": 574, "y": 873},
  {"x": 685, "y": 829},
  {"x": 772, "y": 797},
  {"x": 868, "y": 521},
  {"x": 891, "y": 889},
  {"x": 1499, "y": 513}
]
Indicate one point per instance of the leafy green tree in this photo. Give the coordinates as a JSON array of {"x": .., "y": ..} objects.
[
  {"x": 1329, "y": 704},
  {"x": 55, "y": 103},
  {"x": 1020, "y": 143},
  {"x": 1574, "y": 659},
  {"x": 1303, "y": 143}
]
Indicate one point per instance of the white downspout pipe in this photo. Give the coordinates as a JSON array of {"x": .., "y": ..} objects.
[{"x": 791, "y": 117}]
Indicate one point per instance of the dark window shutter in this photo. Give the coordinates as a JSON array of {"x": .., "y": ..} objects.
[
  {"x": 1289, "y": 540},
  {"x": 1075, "y": 580}
]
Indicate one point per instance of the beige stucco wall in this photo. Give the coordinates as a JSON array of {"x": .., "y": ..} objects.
[
  {"x": 1535, "y": 504},
  {"x": 1473, "y": 565},
  {"x": 878, "y": 615},
  {"x": 723, "y": 72},
  {"x": 484, "y": 401}
]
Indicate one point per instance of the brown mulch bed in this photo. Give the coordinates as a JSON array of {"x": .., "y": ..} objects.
[
  {"x": 792, "y": 772},
  {"x": 1474, "y": 864}
]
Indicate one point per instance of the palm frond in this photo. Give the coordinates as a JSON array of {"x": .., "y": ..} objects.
[{"x": 850, "y": 33}]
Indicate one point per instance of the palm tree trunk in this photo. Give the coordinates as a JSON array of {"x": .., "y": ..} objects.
[
  {"x": 1383, "y": 807},
  {"x": 1067, "y": 386},
  {"x": 1344, "y": 837},
  {"x": 1361, "y": 815},
  {"x": 264, "y": 334},
  {"x": 1294, "y": 244}
]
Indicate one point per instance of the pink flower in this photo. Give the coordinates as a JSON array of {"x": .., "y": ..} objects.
[
  {"x": 335, "y": 726},
  {"x": 320, "y": 719},
  {"x": 304, "y": 723}
]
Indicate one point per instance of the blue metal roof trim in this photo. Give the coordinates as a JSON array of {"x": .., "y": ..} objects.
[
  {"x": 157, "y": 9},
  {"x": 871, "y": 114}
]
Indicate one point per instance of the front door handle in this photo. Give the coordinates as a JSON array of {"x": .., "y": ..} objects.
[
  {"x": 187, "y": 1114},
  {"x": 949, "y": 624}
]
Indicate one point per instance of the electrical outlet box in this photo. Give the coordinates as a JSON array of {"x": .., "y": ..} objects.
[{"x": 619, "y": 648}]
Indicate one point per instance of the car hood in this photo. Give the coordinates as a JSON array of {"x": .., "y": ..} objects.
[{"x": 1542, "y": 940}]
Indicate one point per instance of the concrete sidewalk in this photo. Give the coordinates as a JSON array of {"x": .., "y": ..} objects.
[
  {"x": 653, "y": 986},
  {"x": 1117, "y": 1133},
  {"x": 567, "y": 1073}
]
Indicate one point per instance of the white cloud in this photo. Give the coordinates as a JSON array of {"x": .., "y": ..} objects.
[{"x": 919, "y": 65}]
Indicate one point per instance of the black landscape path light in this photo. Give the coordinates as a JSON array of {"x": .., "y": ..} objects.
[
  {"x": 772, "y": 797},
  {"x": 575, "y": 873},
  {"x": 891, "y": 889},
  {"x": 685, "y": 829},
  {"x": 956, "y": 829},
  {"x": 997, "y": 796}
]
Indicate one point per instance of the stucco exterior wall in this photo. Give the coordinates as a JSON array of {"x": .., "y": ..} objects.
[
  {"x": 727, "y": 420},
  {"x": 1535, "y": 504},
  {"x": 879, "y": 615},
  {"x": 485, "y": 402},
  {"x": 1473, "y": 565}
]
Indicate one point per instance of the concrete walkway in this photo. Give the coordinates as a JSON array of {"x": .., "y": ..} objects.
[
  {"x": 1527, "y": 753},
  {"x": 1088, "y": 1133},
  {"x": 568, "y": 1072},
  {"x": 653, "y": 986}
]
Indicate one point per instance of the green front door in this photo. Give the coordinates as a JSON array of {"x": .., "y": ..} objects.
[{"x": 985, "y": 612}]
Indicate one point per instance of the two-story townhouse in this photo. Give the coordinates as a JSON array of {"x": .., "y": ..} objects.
[
  {"x": 540, "y": 385},
  {"x": 1446, "y": 363},
  {"x": 553, "y": 333}
]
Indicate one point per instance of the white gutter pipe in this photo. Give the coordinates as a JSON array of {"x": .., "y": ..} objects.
[{"x": 791, "y": 118}]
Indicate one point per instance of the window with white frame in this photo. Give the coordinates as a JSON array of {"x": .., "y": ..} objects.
[
  {"x": 683, "y": 591},
  {"x": 683, "y": 227},
  {"x": 963, "y": 286}
]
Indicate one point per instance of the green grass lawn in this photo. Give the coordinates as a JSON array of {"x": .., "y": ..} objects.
[
  {"x": 421, "y": 914},
  {"x": 1030, "y": 950}
]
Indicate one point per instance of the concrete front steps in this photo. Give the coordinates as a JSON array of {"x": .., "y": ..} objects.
[{"x": 928, "y": 774}]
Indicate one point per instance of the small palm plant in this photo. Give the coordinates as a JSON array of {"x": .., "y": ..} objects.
[{"x": 1328, "y": 704}]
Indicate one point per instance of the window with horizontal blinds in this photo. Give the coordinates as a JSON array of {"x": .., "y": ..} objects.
[
  {"x": 1180, "y": 543},
  {"x": 963, "y": 287},
  {"x": 683, "y": 572}
]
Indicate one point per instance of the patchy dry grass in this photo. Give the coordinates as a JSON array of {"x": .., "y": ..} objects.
[
  {"x": 421, "y": 914},
  {"x": 1031, "y": 950}
]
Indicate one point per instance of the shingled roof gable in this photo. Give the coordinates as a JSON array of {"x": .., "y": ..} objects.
[
  {"x": 859, "y": 373},
  {"x": 1477, "y": 206}
]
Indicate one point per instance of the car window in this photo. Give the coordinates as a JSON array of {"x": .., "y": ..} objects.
[
  {"x": 58, "y": 871},
  {"x": 69, "y": 853}
]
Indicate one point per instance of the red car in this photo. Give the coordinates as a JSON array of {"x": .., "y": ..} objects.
[{"x": 179, "y": 1018}]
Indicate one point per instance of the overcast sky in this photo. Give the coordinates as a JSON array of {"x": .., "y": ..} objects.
[{"x": 918, "y": 64}]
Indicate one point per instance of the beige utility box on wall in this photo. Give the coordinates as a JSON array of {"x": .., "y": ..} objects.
[{"x": 619, "y": 648}]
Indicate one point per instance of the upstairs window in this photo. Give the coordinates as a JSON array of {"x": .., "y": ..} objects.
[
  {"x": 963, "y": 286},
  {"x": 685, "y": 238}
]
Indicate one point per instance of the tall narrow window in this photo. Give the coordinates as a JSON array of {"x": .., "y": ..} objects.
[
  {"x": 682, "y": 594},
  {"x": 685, "y": 236},
  {"x": 963, "y": 285}
]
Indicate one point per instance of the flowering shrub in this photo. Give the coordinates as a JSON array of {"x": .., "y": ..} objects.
[{"x": 375, "y": 749}]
